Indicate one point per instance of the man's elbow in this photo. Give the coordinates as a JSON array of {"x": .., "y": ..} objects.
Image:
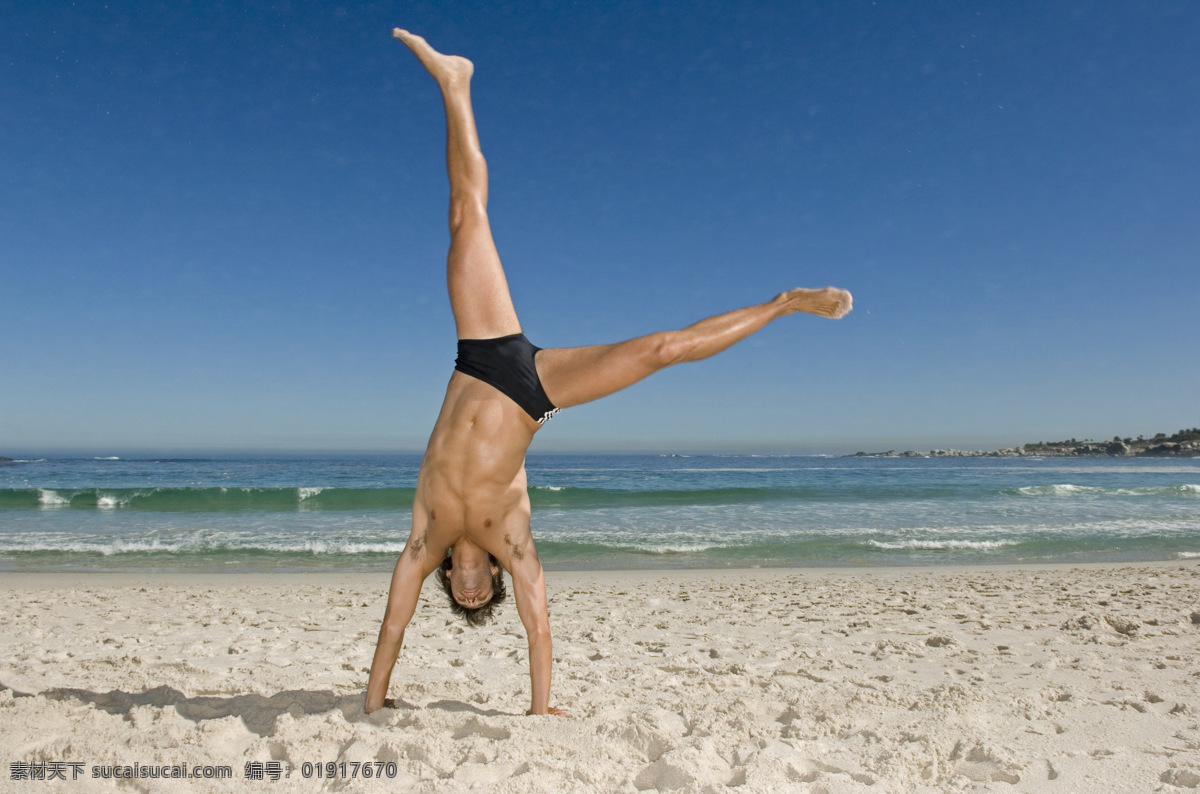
[
  {"x": 392, "y": 630},
  {"x": 539, "y": 635}
]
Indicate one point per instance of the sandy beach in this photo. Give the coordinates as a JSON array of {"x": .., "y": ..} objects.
[{"x": 1079, "y": 678}]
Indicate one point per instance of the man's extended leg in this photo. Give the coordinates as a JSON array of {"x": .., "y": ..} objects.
[
  {"x": 577, "y": 375},
  {"x": 479, "y": 294}
]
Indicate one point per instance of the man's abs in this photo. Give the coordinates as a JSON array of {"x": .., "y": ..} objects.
[{"x": 473, "y": 473}]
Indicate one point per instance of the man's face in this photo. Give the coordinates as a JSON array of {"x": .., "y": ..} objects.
[{"x": 472, "y": 588}]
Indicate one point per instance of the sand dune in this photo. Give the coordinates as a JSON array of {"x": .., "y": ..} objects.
[{"x": 1037, "y": 679}]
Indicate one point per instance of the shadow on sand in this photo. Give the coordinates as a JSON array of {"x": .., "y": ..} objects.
[{"x": 257, "y": 712}]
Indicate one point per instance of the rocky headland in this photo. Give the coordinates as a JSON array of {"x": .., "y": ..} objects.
[{"x": 1184, "y": 444}]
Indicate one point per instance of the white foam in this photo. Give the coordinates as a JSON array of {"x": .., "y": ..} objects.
[
  {"x": 337, "y": 547},
  {"x": 374, "y": 548},
  {"x": 680, "y": 548},
  {"x": 48, "y": 498},
  {"x": 308, "y": 493},
  {"x": 1055, "y": 490},
  {"x": 1070, "y": 490},
  {"x": 980, "y": 545}
]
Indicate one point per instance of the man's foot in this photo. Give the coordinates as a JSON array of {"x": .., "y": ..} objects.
[
  {"x": 446, "y": 69},
  {"x": 829, "y": 302}
]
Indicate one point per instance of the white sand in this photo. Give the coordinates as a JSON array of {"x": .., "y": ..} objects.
[{"x": 1041, "y": 679}]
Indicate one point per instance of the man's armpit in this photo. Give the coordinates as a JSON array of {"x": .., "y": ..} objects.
[
  {"x": 516, "y": 550},
  {"x": 416, "y": 547}
]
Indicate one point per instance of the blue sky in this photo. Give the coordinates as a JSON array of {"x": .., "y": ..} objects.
[{"x": 222, "y": 225}]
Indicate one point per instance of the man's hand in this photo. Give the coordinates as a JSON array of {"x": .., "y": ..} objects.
[{"x": 388, "y": 703}]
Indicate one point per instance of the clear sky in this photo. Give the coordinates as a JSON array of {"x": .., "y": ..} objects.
[{"x": 222, "y": 224}]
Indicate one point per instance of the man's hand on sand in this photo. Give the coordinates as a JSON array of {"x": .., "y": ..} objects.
[{"x": 388, "y": 703}]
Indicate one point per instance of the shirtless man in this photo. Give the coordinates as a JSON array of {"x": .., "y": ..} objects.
[{"x": 471, "y": 509}]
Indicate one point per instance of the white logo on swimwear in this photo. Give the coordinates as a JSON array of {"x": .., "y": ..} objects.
[{"x": 548, "y": 415}]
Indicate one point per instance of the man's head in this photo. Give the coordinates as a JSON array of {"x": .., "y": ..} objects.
[{"x": 474, "y": 590}]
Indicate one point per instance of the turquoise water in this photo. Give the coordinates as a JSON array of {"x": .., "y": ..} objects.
[{"x": 241, "y": 513}]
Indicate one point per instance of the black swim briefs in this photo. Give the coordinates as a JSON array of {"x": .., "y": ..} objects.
[{"x": 506, "y": 363}]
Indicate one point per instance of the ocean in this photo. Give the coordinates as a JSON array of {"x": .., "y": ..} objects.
[{"x": 351, "y": 512}]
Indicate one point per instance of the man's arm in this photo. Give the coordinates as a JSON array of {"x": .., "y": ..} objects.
[
  {"x": 529, "y": 586},
  {"x": 402, "y": 603}
]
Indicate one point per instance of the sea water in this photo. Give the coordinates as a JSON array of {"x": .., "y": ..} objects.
[{"x": 352, "y": 513}]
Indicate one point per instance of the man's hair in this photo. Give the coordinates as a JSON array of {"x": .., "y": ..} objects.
[{"x": 479, "y": 615}]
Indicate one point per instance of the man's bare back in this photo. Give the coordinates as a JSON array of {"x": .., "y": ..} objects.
[{"x": 472, "y": 501}]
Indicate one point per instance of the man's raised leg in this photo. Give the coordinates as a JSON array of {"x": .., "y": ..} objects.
[
  {"x": 479, "y": 295},
  {"x": 576, "y": 375}
]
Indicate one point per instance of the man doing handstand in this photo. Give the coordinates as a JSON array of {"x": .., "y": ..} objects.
[{"x": 471, "y": 509}]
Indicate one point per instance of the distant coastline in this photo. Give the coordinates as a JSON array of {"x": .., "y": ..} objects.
[{"x": 1184, "y": 444}]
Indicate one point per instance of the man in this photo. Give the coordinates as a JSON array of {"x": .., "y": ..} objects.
[{"x": 471, "y": 509}]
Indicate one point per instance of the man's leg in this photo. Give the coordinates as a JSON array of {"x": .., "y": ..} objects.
[
  {"x": 577, "y": 375},
  {"x": 479, "y": 294}
]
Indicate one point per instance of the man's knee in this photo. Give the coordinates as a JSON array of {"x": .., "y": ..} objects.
[
  {"x": 466, "y": 211},
  {"x": 667, "y": 348}
]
